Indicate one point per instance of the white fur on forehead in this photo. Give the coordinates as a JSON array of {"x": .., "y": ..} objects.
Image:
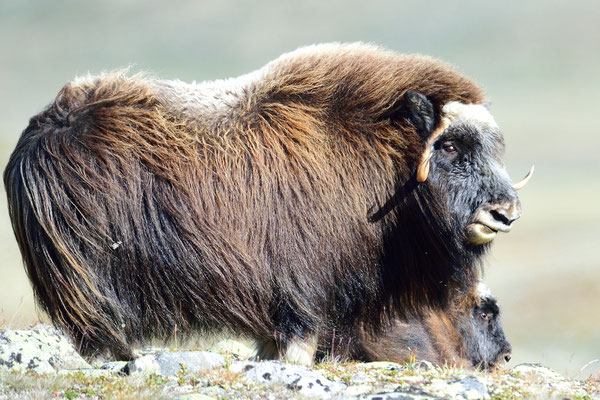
[
  {"x": 477, "y": 114},
  {"x": 483, "y": 291}
]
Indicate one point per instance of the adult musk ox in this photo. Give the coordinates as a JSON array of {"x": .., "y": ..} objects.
[
  {"x": 339, "y": 184},
  {"x": 467, "y": 333}
]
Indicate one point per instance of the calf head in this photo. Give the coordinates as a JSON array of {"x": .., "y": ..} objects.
[{"x": 485, "y": 341}]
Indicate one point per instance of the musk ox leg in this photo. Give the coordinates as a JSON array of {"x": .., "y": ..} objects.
[
  {"x": 266, "y": 350},
  {"x": 302, "y": 350},
  {"x": 296, "y": 351}
]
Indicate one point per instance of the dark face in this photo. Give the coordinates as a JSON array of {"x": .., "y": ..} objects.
[
  {"x": 487, "y": 345},
  {"x": 467, "y": 168}
]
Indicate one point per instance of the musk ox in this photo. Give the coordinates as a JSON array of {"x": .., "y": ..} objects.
[
  {"x": 339, "y": 184},
  {"x": 468, "y": 333}
]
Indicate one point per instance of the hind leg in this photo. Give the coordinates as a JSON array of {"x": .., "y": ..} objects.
[{"x": 296, "y": 351}]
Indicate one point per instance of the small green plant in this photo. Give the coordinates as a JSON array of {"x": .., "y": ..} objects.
[
  {"x": 70, "y": 394},
  {"x": 412, "y": 363},
  {"x": 181, "y": 374}
]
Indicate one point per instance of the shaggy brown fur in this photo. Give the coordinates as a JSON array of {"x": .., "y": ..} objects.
[{"x": 141, "y": 208}]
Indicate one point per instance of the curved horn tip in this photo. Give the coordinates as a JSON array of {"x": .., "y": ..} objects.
[
  {"x": 423, "y": 172},
  {"x": 521, "y": 184}
]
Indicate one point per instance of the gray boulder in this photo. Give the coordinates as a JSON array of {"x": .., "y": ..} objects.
[
  {"x": 43, "y": 349},
  {"x": 295, "y": 377},
  {"x": 171, "y": 363}
]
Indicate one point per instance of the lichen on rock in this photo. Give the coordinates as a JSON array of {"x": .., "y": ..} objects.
[{"x": 42, "y": 349}]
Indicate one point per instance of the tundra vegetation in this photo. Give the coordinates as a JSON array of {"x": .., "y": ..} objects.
[{"x": 234, "y": 377}]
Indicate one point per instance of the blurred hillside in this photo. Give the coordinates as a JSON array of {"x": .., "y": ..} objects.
[{"x": 538, "y": 61}]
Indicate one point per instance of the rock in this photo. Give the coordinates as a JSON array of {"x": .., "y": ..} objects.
[
  {"x": 466, "y": 388},
  {"x": 471, "y": 388},
  {"x": 424, "y": 365},
  {"x": 294, "y": 377},
  {"x": 385, "y": 365},
  {"x": 237, "y": 349},
  {"x": 171, "y": 363},
  {"x": 545, "y": 381},
  {"x": 401, "y": 395},
  {"x": 356, "y": 390},
  {"x": 148, "y": 350},
  {"x": 195, "y": 396},
  {"x": 213, "y": 391},
  {"x": 43, "y": 349},
  {"x": 88, "y": 372},
  {"x": 537, "y": 369},
  {"x": 118, "y": 367},
  {"x": 144, "y": 364}
]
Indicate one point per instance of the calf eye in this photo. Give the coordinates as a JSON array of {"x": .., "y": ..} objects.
[{"x": 449, "y": 147}]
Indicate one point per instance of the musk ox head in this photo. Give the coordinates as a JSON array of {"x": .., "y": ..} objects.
[
  {"x": 468, "y": 333},
  {"x": 463, "y": 160},
  {"x": 485, "y": 341}
]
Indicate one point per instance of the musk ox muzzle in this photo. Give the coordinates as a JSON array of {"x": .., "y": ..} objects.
[
  {"x": 494, "y": 218},
  {"x": 490, "y": 220}
]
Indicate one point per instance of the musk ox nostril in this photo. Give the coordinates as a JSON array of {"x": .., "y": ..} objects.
[
  {"x": 507, "y": 215},
  {"x": 507, "y": 351}
]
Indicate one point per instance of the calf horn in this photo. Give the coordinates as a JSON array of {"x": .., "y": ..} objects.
[
  {"x": 521, "y": 184},
  {"x": 423, "y": 168}
]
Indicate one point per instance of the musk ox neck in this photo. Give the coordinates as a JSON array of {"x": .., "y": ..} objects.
[{"x": 422, "y": 237}]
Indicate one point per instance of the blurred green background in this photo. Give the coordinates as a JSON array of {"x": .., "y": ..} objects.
[{"x": 538, "y": 60}]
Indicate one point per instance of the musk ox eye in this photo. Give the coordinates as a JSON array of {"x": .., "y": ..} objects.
[{"x": 449, "y": 147}]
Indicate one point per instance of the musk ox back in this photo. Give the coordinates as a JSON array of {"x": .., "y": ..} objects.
[
  {"x": 338, "y": 185},
  {"x": 467, "y": 333}
]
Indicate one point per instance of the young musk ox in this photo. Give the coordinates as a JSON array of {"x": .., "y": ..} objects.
[
  {"x": 338, "y": 185},
  {"x": 468, "y": 333}
]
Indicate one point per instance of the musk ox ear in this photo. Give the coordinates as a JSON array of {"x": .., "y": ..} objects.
[
  {"x": 421, "y": 115},
  {"x": 416, "y": 108},
  {"x": 419, "y": 112}
]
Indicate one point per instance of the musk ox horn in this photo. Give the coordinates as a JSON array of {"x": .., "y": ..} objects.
[
  {"x": 423, "y": 168},
  {"x": 521, "y": 184}
]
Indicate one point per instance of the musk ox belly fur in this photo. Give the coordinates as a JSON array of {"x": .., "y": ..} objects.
[{"x": 271, "y": 205}]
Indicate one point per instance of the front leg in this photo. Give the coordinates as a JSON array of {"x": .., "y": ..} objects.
[{"x": 301, "y": 350}]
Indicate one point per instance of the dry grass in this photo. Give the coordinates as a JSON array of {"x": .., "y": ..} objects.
[{"x": 80, "y": 386}]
